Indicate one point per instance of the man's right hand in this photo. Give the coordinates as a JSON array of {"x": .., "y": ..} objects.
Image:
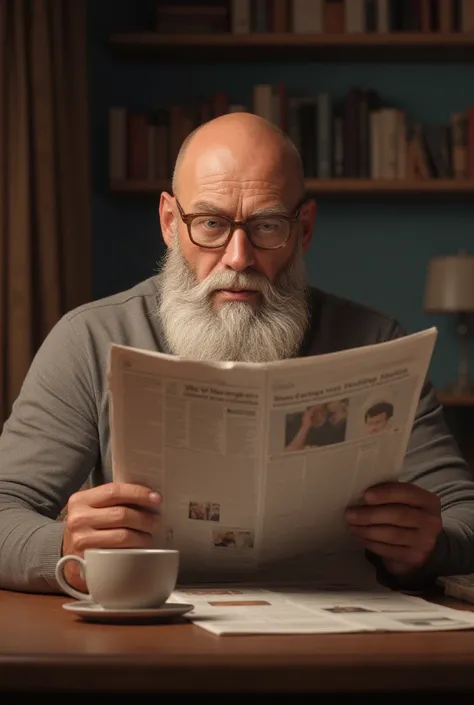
[{"x": 114, "y": 515}]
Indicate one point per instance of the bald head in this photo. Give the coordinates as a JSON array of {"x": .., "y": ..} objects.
[{"x": 245, "y": 143}]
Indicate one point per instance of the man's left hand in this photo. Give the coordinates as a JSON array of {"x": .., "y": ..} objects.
[{"x": 400, "y": 522}]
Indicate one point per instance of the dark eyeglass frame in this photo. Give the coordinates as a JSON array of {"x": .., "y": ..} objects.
[{"x": 188, "y": 218}]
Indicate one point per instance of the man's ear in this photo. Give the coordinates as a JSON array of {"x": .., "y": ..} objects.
[
  {"x": 167, "y": 218},
  {"x": 308, "y": 221}
]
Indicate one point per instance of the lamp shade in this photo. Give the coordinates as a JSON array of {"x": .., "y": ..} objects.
[{"x": 450, "y": 284}]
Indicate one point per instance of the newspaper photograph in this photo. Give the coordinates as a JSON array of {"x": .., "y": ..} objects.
[
  {"x": 256, "y": 463},
  {"x": 245, "y": 610}
]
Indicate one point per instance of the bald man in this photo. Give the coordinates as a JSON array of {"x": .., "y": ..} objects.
[{"x": 232, "y": 286}]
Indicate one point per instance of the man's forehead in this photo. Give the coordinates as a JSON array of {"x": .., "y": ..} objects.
[
  {"x": 217, "y": 180},
  {"x": 215, "y": 162},
  {"x": 230, "y": 194},
  {"x": 236, "y": 195},
  {"x": 213, "y": 159}
]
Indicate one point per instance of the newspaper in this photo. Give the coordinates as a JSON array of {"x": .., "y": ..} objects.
[
  {"x": 459, "y": 586},
  {"x": 237, "y": 610},
  {"x": 256, "y": 463}
]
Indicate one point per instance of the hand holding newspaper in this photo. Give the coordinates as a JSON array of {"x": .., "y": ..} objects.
[{"x": 256, "y": 463}]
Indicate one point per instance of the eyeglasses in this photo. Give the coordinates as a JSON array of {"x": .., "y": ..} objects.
[{"x": 265, "y": 232}]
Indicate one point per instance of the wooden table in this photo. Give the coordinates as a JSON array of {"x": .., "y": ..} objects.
[{"x": 44, "y": 648}]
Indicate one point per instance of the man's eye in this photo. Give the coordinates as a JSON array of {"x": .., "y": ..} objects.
[
  {"x": 268, "y": 226},
  {"x": 210, "y": 223}
]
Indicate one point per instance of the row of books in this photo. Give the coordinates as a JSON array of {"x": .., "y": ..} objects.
[
  {"x": 361, "y": 136},
  {"x": 315, "y": 16}
]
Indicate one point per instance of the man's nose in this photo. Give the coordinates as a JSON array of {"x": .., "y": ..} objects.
[{"x": 239, "y": 253}]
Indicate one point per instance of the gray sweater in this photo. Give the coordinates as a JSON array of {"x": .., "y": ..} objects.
[{"x": 58, "y": 432}]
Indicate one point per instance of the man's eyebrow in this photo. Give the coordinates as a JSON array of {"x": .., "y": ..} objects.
[
  {"x": 271, "y": 210},
  {"x": 206, "y": 207}
]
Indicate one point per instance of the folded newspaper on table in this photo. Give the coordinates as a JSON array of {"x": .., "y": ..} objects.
[
  {"x": 226, "y": 610},
  {"x": 459, "y": 586},
  {"x": 257, "y": 462}
]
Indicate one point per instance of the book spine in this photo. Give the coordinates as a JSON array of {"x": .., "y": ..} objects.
[
  {"x": 324, "y": 146},
  {"x": 241, "y": 20},
  {"x": 308, "y": 16}
]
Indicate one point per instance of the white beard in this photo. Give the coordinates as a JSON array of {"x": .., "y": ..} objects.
[{"x": 236, "y": 331}]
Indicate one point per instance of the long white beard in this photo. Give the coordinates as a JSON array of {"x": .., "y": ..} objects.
[{"x": 236, "y": 331}]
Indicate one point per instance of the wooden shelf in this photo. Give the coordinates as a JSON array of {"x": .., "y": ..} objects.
[
  {"x": 454, "y": 400},
  {"x": 400, "y": 39},
  {"x": 401, "y": 46},
  {"x": 339, "y": 187}
]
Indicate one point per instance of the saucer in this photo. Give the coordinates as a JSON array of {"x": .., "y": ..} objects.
[{"x": 90, "y": 612}]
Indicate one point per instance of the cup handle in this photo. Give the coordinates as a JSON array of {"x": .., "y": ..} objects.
[{"x": 63, "y": 582}]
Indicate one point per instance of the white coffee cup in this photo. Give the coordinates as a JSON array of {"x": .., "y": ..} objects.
[{"x": 124, "y": 578}]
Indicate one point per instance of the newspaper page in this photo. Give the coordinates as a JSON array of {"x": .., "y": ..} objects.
[
  {"x": 224, "y": 610},
  {"x": 257, "y": 462},
  {"x": 334, "y": 429},
  {"x": 192, "y": 432}
]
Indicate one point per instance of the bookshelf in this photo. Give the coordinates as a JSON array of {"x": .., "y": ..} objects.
[
  {"x": 391, "y": 46},
  {"x": 459, "y": 416},
  {"x": 337, "y": 187},
  {"x": 452, "y": 400},
  {"x": 373, "y": 46},
  {"x": 401, "y": 39}
]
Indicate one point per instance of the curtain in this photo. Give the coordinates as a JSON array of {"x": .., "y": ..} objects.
[{"x": 45, "y": 231}]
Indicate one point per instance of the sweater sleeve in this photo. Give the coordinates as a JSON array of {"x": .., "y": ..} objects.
[
  {"x": 48, "y": 447},
  {"x": 433, "y": 461}
]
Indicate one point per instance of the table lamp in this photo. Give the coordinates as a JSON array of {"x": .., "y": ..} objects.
[{"x": 450, "y": 289}]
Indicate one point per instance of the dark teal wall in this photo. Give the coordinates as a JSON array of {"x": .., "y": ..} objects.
[{"x": 372, "y": 251}]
